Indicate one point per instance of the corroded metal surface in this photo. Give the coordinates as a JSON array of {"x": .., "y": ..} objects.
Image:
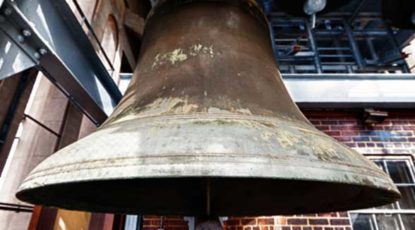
[{"x": 207, "y": 128}]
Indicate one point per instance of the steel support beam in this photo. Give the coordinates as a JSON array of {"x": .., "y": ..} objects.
[
  {"x": 353, "y": 44},
  {"x": 313, "y": 46},
  {"x": 352, "y": 90},
  {"x": 49, "y": 35}
]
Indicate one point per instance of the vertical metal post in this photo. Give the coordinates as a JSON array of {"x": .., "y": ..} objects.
[
  {"x": 272, "y": 35},
  {"x": 353, "y": 44},
  {"x": 372, "y": 50},
  {"x": 313, "y": 45}
]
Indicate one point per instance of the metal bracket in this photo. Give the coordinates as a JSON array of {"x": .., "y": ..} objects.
[{"x": 53, "y": 40}]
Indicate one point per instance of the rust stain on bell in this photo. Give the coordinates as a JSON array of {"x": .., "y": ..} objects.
[{"x": 207, "y": 128}]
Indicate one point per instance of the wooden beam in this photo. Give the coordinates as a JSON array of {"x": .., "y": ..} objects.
[
  {"x": 134, "y": 21},
  {"x": 126, "y": 47}
]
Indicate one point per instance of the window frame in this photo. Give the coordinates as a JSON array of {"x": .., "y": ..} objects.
[{"x": 409, "y": 161}]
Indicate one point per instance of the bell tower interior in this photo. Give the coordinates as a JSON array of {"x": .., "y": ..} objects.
[{"x": 207, "y": 114}]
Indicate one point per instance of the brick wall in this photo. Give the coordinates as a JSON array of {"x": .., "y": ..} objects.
[
  {"x": 395, "y": 135},
  {"x": 168, "y": 223}
]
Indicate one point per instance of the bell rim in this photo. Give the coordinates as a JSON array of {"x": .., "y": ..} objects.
[
  {"x": 388, "y": 196},
  {"x": 212, "y": 166}
]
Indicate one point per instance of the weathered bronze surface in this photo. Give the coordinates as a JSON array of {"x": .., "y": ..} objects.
[{"x": 207, "y": 128}]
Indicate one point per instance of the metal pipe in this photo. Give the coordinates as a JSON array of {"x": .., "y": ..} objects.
[
  {"x": 15, "y": 207},
  {"x": 313, "y": 46},
  {"x": 356, "y": 32},
  {"x": 356, "y": 11},
  {"x": 353, "y": 45},
  {"x": 371, "y": 48}
]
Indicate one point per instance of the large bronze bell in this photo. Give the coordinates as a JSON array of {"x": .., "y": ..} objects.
[{"x": 207, "y": 128}]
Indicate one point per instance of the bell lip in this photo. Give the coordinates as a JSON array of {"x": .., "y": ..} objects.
[
  {"x": 370, "y": 198},
  {"x": 367, "y": 175}
]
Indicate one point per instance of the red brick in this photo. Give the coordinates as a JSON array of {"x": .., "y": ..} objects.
[
  {"x": 332, "y": 133},
  {"x": 339, "y": 221},
  {"x": 322, "y": 127},
  {"x": 248, "y": 221},
  {"x": 318, "y": 221},
  {"x": 343, "y": 214},
  {"x": 330, "y": 122},
  {"x": 343, "y": 138},
  {"x": 147, "y": 222},
  {"x": 409, "y": 127},
  {"x": 174, "y": 222},
  {"x": 349, "y": 133},
  {"x": 296, "y": 221},
  {"x": 315, "y": 121},
  {"x": 400, "y": 122},
  {"x": 265, "y": 221}
]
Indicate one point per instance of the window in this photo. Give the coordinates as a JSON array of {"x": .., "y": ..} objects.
[{"x": 399, "y": 215}]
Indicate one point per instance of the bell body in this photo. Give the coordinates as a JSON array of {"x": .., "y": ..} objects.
[{"x": 207, "y": 128}]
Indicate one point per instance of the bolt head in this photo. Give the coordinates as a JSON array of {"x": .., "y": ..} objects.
[
  {"x": 20, "y": 38},
  {"x": 36, "y": 55},
  {"x": 26, "y": 33},
  {"x": 43, "y": 51},
  {"x": 7, "y": 11}
]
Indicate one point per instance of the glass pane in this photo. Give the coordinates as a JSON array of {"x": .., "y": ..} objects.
[
  {"x": 408, "y": 198},
  {"x": 399, "y": 172},
  {"x": 380, "y": 164},
  {"x": 408, "y": 221},
  {"x": 131, "y": 222},
  {"x": 362, "y": 222},
  {"x": 387, "y": 222}
]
